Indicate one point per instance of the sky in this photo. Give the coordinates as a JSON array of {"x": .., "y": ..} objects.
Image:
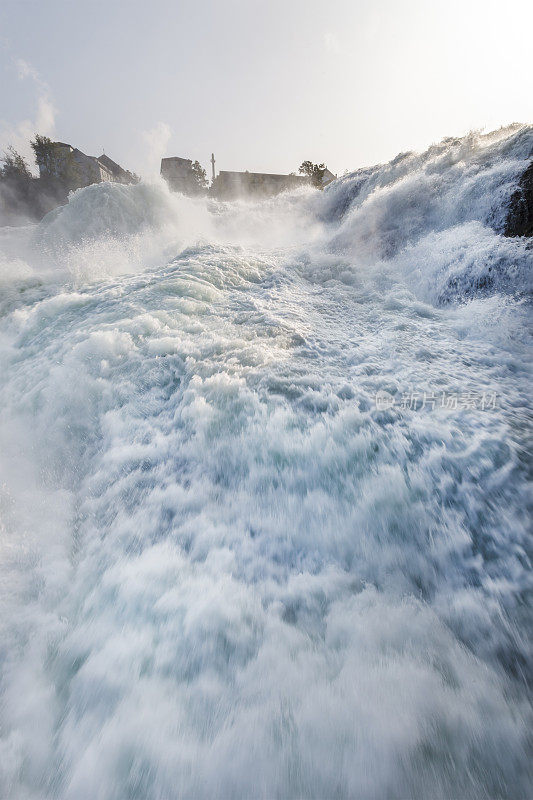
[{"x": 263, "y": 85}]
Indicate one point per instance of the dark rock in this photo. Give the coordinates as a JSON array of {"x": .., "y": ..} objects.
[
  {"x": 519, "y": 220},
  {"x": 24, "y": 199}
]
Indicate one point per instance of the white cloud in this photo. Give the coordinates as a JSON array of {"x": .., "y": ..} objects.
[
  {"x": 25, "y": 70},
  {"x": 45, "y": 119}
]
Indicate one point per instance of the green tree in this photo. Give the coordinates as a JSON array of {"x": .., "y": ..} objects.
[
  {"x": 14, "y": 166},
  {"x": 199, "y": 177},
  {"x": 45, "y": 157},
  {"x": 55, "y": 162},
  {"x": 314, "y": 171}
]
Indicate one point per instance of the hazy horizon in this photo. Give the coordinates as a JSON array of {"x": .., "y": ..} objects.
[{"x": 261, "y": 86}]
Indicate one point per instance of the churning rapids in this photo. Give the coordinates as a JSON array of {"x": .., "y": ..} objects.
[{"x": 225, "y": 571}]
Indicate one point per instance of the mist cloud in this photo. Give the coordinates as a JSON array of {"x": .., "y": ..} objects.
[
  {"x": 19, "y": 135},
  {"x": 331, "y": 43},
  {"x": 156, "y": 141}
]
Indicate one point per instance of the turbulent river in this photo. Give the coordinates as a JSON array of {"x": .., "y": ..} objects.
[{"x": 264, "y": 490}]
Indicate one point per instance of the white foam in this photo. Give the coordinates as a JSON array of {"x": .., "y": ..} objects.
[{"x": 224, "y": 571}]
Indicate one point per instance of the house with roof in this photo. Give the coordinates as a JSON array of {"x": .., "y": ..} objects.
[
  {"x": 118, "y": 173},
  {"x": 76, "y": 169},
  {"x": 177, "y": 172},
  {"x": 231, "y": 185},
  {"x": 328, "y": 177}
]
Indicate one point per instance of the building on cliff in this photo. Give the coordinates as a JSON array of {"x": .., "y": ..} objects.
[
  {"x": 118, "y": 173},
  {"x": 231, "y": 185},
  {"x": 178, "y": 173},
  {"x": 328, "y": 177},
  {"x": 184, "y": 176},
  {"x": 76, "y": 169},
  {"x": 227, "y": 185}
]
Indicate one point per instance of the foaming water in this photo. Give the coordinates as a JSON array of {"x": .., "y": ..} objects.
[{"x": 225, "y": 571}]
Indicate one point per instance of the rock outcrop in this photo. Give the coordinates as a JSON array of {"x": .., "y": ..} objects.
[{"x": 519, "y": 220}]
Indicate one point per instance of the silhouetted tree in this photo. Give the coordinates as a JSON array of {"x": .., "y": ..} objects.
[
  {"x": 199, "y": 177},
  {"x": 313, "y": 171},
  {"x": 45, "y": 157},
  {"x": 15, "y": 188},
  {"x": 14, "y": 166}
]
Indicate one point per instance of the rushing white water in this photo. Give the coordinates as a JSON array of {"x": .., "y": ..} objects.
[{"x": 224, "y": 571}]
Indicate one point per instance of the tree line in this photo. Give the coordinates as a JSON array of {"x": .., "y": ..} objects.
[
  {"x": 15, "y": 166},
  {"x": 313, "y": 171},
  {"x": 24, "y": 198}
]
